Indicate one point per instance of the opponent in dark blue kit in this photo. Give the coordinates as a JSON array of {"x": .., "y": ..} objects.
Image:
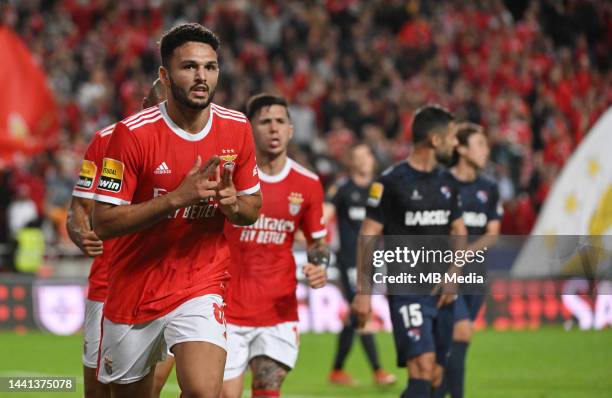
[
  {"x": 481, "y": 213},
  {"x": 347, "y": 198},
  {"x": 414, "y": 197}
]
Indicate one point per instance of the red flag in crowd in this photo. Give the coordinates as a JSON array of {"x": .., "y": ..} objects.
[{"x": 28, "y": 115}]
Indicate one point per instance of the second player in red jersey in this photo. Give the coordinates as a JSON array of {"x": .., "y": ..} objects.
[
  {"x": 79, "y": 229},
  {"x": 261, "y": 303}
]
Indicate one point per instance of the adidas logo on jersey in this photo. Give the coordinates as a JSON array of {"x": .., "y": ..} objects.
[{"x": 162, "y": 169}]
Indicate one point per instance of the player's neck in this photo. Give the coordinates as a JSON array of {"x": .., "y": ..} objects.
[
  {"x": 361, "y": 179},
  {"x": 190, "y": 120},
  {"x": 464, "y": 172},
  {"x": 422, "y": 159},
  {"x": 271, "y": 165}
]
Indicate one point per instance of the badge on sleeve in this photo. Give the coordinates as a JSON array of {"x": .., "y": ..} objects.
[
  {"x": 376, "y": 192},
  {"x": 111, "y": 178},
  {"x": 87, "y": 174}
]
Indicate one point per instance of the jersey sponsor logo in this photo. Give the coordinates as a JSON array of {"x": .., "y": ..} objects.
[
  {"x": 111, "y": 178},
  {"x": 267, "y": 230},
  {"x": 357, "y": 213},
  {"x": 427, "y": 217},
  {"x": 474, "y": 219},
  {"x": 482, "y": 196},
  {"x": 376, "y": 192},
  {"x": 295, "y": 203},
  {"x": 87, "y": 174},
  {"x": 162, "y": 169},
  {"x": 228, "y": 156}
]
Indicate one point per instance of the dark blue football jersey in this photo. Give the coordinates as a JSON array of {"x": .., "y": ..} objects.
[
  {"x": 349, "y": 199},
  {"x": 412, "y": 202},
  {"x": 481, "y": 204}
]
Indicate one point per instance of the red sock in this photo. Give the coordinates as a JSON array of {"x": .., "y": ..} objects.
[{"x": 265, "y": 393}]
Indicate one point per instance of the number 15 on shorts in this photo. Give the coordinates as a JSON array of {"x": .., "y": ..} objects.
[{"x": 412, "y": 315}]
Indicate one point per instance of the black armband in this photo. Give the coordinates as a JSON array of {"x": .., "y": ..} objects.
[{"x": 319, "y": 256}]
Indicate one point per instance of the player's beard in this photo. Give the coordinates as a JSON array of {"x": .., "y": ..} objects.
[
  {"x": 182, "y": 96},
  {"x": 446, "y": 159}
]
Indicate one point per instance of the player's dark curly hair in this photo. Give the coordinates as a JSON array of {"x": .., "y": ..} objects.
[
  {"x": 429, "y": 119},
  {"x": 259, "y": 101},
  {"x": 181, "y": 34}
]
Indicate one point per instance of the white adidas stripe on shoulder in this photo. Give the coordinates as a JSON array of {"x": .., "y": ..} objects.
[
  {"x": 144, "y": 122},
  {"x": 140, "y": 114},
  {"x": 225, "y": 116},
  {"x": 142, "y": 118},
  {"x": 107, "y": 130},
  {"x": 228, "y": 111},
  {"x": 304, "y": 171}
]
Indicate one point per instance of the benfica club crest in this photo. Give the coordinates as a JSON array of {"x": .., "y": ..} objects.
[
  {"x": 228, "y": 156},
  {"x": 59, "y": 309},
  {"x": 295, "y": 203}
]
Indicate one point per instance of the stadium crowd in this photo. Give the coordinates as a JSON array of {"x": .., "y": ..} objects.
[{"x": 536, "y": 74}]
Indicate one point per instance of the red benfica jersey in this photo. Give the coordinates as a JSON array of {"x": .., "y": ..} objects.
[
  {"x": 85, "y": 188},
  {"x": 262, "y": 289},
  {"x": 185, "y": 255}
]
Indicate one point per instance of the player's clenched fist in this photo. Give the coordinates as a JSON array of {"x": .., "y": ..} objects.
[
  {"x": 197, "y": 184},
  {"x": 315, "y": 274}
]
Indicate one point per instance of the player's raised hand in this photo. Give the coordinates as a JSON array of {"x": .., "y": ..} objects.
[
  {"x": 315, "y": 274},
  {"x": 197, "y": 184},
  {"x": 228, "y": 201},
  {"x": 361, "y": 307}
]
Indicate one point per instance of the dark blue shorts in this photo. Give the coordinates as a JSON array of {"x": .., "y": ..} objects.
[
  {"x": 467, "y": 306},
  {"x": 420, "y": 327}
]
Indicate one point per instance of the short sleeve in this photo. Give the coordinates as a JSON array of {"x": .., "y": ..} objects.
[
  {"x": 246, "y": 178},
  {"x": 91, "y": 166},
  {"x": 121, "y": 166},
  {"x": 378, "y": 203},
  {"x": 313, "y": 224},
  {"x": 495, "y": 210}
]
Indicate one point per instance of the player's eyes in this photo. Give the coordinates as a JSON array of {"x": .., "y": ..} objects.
[{"x": 211, "y": 67}]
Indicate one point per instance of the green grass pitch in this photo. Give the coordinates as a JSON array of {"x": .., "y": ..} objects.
[{"x": 546, "y": 363}]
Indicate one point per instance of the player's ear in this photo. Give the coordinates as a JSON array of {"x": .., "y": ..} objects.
[
  {"x": 290, "y": 130},
  {"x": 163, "y": 76},
  {"x": 435, "y": 140}
]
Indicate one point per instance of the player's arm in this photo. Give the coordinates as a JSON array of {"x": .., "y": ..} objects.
[
  {"x": 79, "y": 227},
  {"x": 111, "y": 220},
  {"x": 361, "y": 305}
]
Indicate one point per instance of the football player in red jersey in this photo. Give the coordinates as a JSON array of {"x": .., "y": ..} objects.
[
  {"x": 79, "y": 229},
  {"x": 166, "y": 208},
  {"x": 261, "y": 303}
]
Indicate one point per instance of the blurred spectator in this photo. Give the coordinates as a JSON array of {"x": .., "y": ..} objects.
[
  {"x": 22, "y": 210},
  {"x": 536, "y": 74}
]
